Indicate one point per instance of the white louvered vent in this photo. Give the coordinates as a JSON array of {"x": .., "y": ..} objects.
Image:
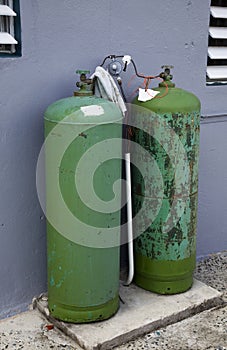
[
  {"x": 7, "y": 33},
  {"x": 217, "y": 46}
]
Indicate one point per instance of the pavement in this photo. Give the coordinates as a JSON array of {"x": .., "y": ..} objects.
[{"x": 207, "y": 330}]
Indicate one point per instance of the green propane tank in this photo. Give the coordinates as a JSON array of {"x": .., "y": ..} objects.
[
  {"x": 83, "y": 279},
  {"x": 165, "y": 259}
]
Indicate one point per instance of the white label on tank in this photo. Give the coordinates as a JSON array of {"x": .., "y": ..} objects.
[
  {"x": 92, "y": 110},
  {"x": 146, "y": 95}
]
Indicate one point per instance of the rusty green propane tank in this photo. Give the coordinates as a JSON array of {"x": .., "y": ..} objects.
[
  {"x": 83, "y": 274},
  {"x": 165, "y": 253}
]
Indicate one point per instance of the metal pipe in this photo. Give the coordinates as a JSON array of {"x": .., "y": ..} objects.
[{"x": 129, "y": 217}]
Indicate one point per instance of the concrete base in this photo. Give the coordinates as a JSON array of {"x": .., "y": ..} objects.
[{"x": 140, "y": 312}]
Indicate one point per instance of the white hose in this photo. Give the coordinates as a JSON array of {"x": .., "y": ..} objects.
[{"x": 129, "y": 216}]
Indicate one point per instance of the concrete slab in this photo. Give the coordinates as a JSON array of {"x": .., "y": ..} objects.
[{"x": 141, "y": 312}]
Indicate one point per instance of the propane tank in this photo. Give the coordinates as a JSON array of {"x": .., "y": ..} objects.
[
  {"x": 83, "y": 280},
  {"x": 165, "y": 258}
]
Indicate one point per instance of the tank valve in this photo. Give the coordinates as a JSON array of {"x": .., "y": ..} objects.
[
  {"x": 85, "y": 85},
  {"x": 166, "y": 74}
]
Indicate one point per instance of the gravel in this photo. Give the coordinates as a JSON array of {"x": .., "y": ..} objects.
[{"x": 205, "y": 331}]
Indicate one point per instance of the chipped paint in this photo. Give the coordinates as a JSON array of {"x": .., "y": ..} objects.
[{"x": 157, "y": 247}]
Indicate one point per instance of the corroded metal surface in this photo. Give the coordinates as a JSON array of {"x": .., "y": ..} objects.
[{"x": 171, "y": 238}]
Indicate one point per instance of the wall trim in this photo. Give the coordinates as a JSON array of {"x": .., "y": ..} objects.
[{"x": 219, "y": 118}]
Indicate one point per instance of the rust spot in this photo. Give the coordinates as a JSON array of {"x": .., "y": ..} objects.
[
  {"x": 138, "y": 189},
  {"x": 83, "y": 135}
]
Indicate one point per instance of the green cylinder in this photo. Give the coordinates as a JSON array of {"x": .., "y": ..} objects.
[
  {"x": 83, "y": 279},
  {"x": 165, "y": 258}
]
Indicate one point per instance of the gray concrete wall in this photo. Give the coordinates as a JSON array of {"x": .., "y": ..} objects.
[{"x": 58, "y": 37}]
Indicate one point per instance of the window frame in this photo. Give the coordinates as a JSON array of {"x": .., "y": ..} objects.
[
  {"x": 215, "y": 41},
  {"x": 17, "y": 32}
]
